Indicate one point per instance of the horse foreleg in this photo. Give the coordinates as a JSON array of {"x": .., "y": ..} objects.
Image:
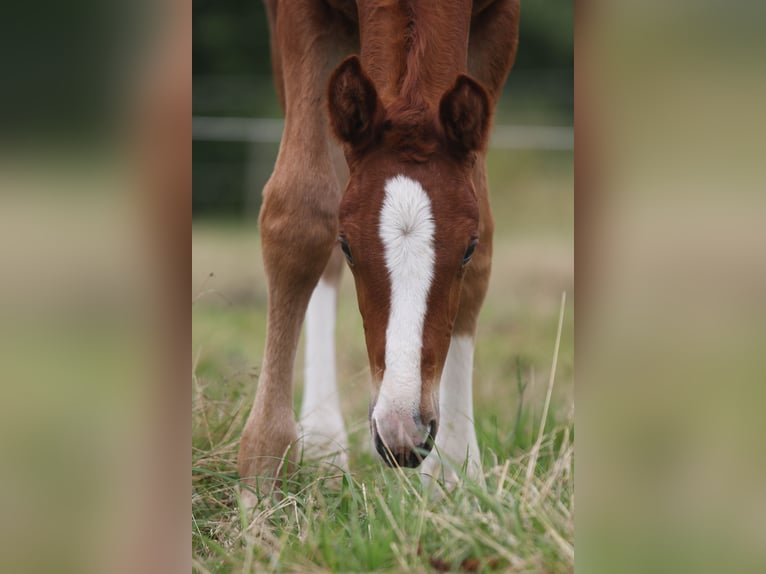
[
  {"x": 321, "y": 423},
  {"x": 297, "y": 238},
  {"x": 299, "y": 225},
  {"x": 456, "y": 449}
]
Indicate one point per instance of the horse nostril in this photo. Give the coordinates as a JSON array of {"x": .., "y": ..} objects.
[
  {"x": 413, "y": 459},
  {"x": 383, "y": 451},
  {"x": 380, "y": 446},
  {"x": 431, "y": 431},
  {"x": 415, "y": 456},
  {"x": 405, "y": 457}
]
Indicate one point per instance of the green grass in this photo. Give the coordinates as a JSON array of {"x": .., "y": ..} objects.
[
  {"x": 377, "y": 519},
  {"x": 374, "y": 518}
]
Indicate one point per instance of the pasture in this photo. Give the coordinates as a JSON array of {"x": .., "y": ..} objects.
[{"x": 375, "y": 518}]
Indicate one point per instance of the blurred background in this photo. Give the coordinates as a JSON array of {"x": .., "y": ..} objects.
[{"x": 95, "y": 204}]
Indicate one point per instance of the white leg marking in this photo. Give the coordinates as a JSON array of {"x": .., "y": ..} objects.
[
  {"x": 324, "y": 434},
  {"x": 407, "y": 231},
  {"x": 456, "y": 438}
]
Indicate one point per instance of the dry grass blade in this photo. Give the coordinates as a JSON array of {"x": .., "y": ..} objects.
[{"x": 536, "y": 448}]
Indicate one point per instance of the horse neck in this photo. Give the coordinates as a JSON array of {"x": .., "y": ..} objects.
[{"x": 414, "y": 49}]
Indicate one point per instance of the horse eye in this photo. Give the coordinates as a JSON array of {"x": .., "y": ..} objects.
[
  {"x": 469, "y": 252},
  {"x": 346, "y": 251}
]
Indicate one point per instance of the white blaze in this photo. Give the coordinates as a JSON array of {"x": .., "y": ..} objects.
[{"x": 407, "y": 232}]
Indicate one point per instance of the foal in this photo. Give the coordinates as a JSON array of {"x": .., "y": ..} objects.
[{"x": 412, "y": 114}]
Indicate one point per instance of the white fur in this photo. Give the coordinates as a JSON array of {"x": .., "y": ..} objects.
[
  {"x": 324, "y": 434},
  {"x": 407, "y": 231},
  {"x": 456, "y": 438}
]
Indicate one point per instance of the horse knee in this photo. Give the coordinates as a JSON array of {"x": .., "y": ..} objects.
[{"x": 299, "y": 228}]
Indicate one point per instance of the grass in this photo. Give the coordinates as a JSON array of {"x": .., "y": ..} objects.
[{"x": 374, "y": 518}]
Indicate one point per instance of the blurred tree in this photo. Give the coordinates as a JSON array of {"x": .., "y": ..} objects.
[
  {"x": 64, "y": 68},
  {"x": 230, "y": 37},
  {"x": 546, "y": 35}
]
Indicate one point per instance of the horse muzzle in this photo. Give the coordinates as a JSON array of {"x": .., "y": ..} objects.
[{"x": 402, "y": 441}]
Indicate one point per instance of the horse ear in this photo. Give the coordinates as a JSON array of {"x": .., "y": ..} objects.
[
  {"x": 465, "y": 114},
  {"x": 353, "y": 103}
]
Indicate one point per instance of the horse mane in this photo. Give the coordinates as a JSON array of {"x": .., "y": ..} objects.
[
  {"x": 414, "y": 49},
  {"x": 411, "y": 124},
  {"x": 411, "y": 129}
]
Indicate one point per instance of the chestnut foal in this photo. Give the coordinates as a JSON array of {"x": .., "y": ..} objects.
[{"x": 412, "y": 114}]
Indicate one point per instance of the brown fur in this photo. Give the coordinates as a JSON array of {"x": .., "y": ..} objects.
[
  {"x": 418, "y": 101},
  {"x": 465, "y": 114}
]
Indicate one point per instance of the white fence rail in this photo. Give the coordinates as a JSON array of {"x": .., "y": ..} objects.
[{"x": 264, "y": 130}]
